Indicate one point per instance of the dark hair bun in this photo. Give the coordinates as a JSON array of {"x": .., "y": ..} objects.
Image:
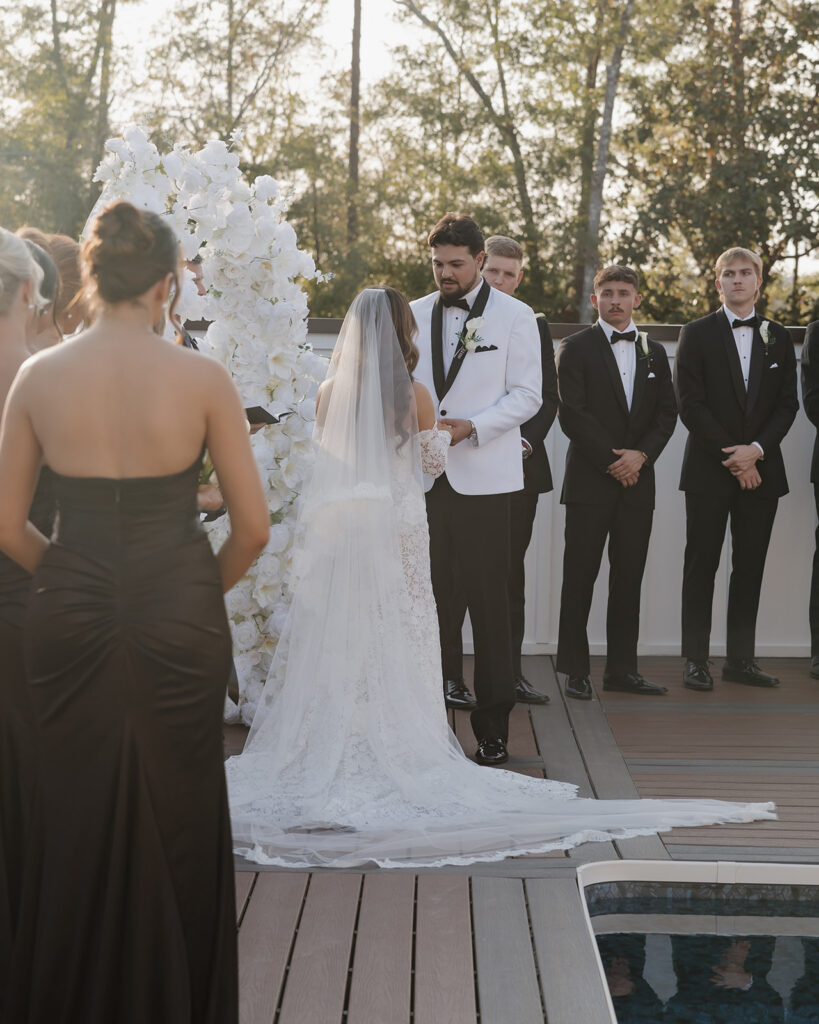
[{"x": 127, "y": 252}]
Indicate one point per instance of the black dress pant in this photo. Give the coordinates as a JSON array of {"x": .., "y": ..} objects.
[
  {"x": 813, "y": 607},
  {"x": 628, "y": 529},
  {"x": 522, "y": 508},
  {"x": 469, "y": 552},
  {"x": 706, "y": 516}
]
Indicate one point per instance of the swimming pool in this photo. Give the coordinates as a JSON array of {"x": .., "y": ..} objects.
[{"x": 705, "y": 942}]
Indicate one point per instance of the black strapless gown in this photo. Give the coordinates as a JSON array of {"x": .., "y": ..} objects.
[
  {"x": 127, "y": 647},
  {"x": 17, "y": 732}
]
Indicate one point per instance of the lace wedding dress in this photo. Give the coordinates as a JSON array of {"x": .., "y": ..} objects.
[{"x": 350, "y": 758}]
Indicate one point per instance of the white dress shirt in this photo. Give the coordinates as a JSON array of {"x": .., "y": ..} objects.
[
  {"x": 744, "y": 339},
  {"x": 452, "y": 324},
  {"x": 625, "y": 352}
]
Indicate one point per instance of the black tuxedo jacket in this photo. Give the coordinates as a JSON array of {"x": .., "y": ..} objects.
[
  {"x": 718, "y": 412},
  {"x": 595, "y": 417},
  {"x": 810, "y": 388},
  {"x": 537, "y": 476}
]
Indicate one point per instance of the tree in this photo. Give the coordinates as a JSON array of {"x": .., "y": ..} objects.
[
  {"x": 225, "y": 66},
  {"x": 720, "y": 145},
  {"x": 56, "y": 76}
]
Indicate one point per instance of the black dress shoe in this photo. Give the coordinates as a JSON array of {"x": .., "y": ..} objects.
[
  {"x": 696, "y": 676},
  {"x": 579, "y": 687},
  {"x": 491, "y": 752},
  {"x": 746, "y": 670},
  {"x": 525, "y": 693},
  {"x": 457, "y": 697},
  {"x": 814, "y": 666},
  {"x": 633, "y": 682}
]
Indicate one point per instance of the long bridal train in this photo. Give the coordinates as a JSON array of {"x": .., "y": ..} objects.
[{"x": 350, "y": 758}]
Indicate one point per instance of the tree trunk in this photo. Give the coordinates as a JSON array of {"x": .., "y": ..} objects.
[
  {"x": 592, "y": 246},
  {"x": 586, "y": 168},
  {"x": 108, "y": 10},
  {"x": 229, "y": 69},
  {"x": 355, "y": 127},
  {"x": 505, "y": 126},
  {"x": 738, "y": 75}
]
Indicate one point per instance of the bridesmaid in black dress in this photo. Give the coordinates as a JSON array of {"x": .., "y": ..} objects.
[
  {"x": 20, "y": 300},
  {"x": 132, "y": 916}
]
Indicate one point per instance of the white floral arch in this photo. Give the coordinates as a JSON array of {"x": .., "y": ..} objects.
[{"x": 251, "y": 267}]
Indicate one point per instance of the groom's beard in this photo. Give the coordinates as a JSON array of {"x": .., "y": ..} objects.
[{"x": 455, "y": 293}]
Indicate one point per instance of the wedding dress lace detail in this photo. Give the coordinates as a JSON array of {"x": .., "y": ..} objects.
[{"x": 350, "y": 758}]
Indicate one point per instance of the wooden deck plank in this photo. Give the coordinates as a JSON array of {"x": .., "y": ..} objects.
[
  {"x": 508, "y": 987},
  {"x": 317, "y": 981},
  {"x": 243, "y": 881},
  {"x": 444, "y": 965},
  {"x": 265, "y": 940},
  {"x": 381, "y": 989},
  {"x": 559, "y": 750},
  {"x": 572, "y": 986}
]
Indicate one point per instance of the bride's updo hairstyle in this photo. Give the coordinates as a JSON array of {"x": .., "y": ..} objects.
[
  {"x": 127, "y": 251},
  {"x": 405, "y": 326},
  {"x": 16, "y": 266}
]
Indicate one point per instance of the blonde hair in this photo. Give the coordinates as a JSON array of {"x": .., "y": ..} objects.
[
  {"x": 738, "y": 253},
  {"x": 506, "y": 248},
  {"x": 16, "y": 266}
]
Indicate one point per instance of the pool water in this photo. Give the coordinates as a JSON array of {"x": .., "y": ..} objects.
[{"x": 681, "y": 953}]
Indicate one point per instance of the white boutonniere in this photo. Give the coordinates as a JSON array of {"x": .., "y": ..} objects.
[
  {"x": 469, "y": 336},
  {"x": 642, "y": 338},
  {"x": 644, "y": 351},
  {"x": 767, "y": 340}
]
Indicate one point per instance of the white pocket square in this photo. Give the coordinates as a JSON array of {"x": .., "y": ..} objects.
[
  {"x": 774, "y": 366},
  {"x": 650, "y": 376}
]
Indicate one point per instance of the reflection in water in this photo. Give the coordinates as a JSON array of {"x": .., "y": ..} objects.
[{"x": 716, "y": 980}]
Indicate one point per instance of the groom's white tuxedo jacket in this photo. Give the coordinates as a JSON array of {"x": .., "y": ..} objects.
[{"x": 497, "y": 385}]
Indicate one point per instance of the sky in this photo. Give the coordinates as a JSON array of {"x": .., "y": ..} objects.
[{"x": 137, "y": 23}]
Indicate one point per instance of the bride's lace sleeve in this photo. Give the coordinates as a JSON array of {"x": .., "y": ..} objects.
[{"x": 433, "y": 446}]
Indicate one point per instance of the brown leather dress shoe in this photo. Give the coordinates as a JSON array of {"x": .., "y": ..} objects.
[{"x": 457, "y": 696}]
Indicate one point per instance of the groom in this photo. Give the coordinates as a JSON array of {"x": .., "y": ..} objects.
[{"x": 480, "y": 360}]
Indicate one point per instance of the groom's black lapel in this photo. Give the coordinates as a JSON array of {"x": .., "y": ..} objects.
[
  {"x": 478, "y": 306},
  {"x": 437, "y": 337}
]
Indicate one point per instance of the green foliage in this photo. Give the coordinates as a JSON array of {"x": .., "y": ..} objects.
[{"x": 494, "y": 109}]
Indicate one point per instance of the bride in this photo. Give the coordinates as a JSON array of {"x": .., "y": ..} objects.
[{"x": 350, "y": 758}]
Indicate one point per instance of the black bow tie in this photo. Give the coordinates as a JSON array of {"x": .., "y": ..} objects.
[
  {"x": 752, "y": 321},
  {"x": 623, "y": 336},
  {"x": 455, "y": 303}
]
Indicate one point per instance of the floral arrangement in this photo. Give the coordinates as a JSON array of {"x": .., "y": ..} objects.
[{"x": 251, "y": 266}]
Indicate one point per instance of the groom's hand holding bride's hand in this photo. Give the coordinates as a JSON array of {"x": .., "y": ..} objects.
[{"x": 459, "y": 429}]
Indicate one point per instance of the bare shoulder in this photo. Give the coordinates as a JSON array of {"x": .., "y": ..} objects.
[
  {"x": 422, "y": 395},
  {"x": 424, "y": 406}
]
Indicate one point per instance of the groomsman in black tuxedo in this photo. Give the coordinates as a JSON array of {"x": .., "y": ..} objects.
[
  {"x": 617, "y": 409},
  {"x": 735, "y": 377},
  {"x": 503, "y": 269},
  {"x": 479, "y": 357},
  {"x": 810, "y": 398}
]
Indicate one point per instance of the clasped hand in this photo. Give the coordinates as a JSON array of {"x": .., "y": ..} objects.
[
  {"x": 626, "y": 469},
  {"x": 742, "y": 465},
  {"x": 459, "y": 429}
]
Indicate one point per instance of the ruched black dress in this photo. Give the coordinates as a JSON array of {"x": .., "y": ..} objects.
[
  {"x": 127, "y": 651},
  {"x": 18, "y": 741}
]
